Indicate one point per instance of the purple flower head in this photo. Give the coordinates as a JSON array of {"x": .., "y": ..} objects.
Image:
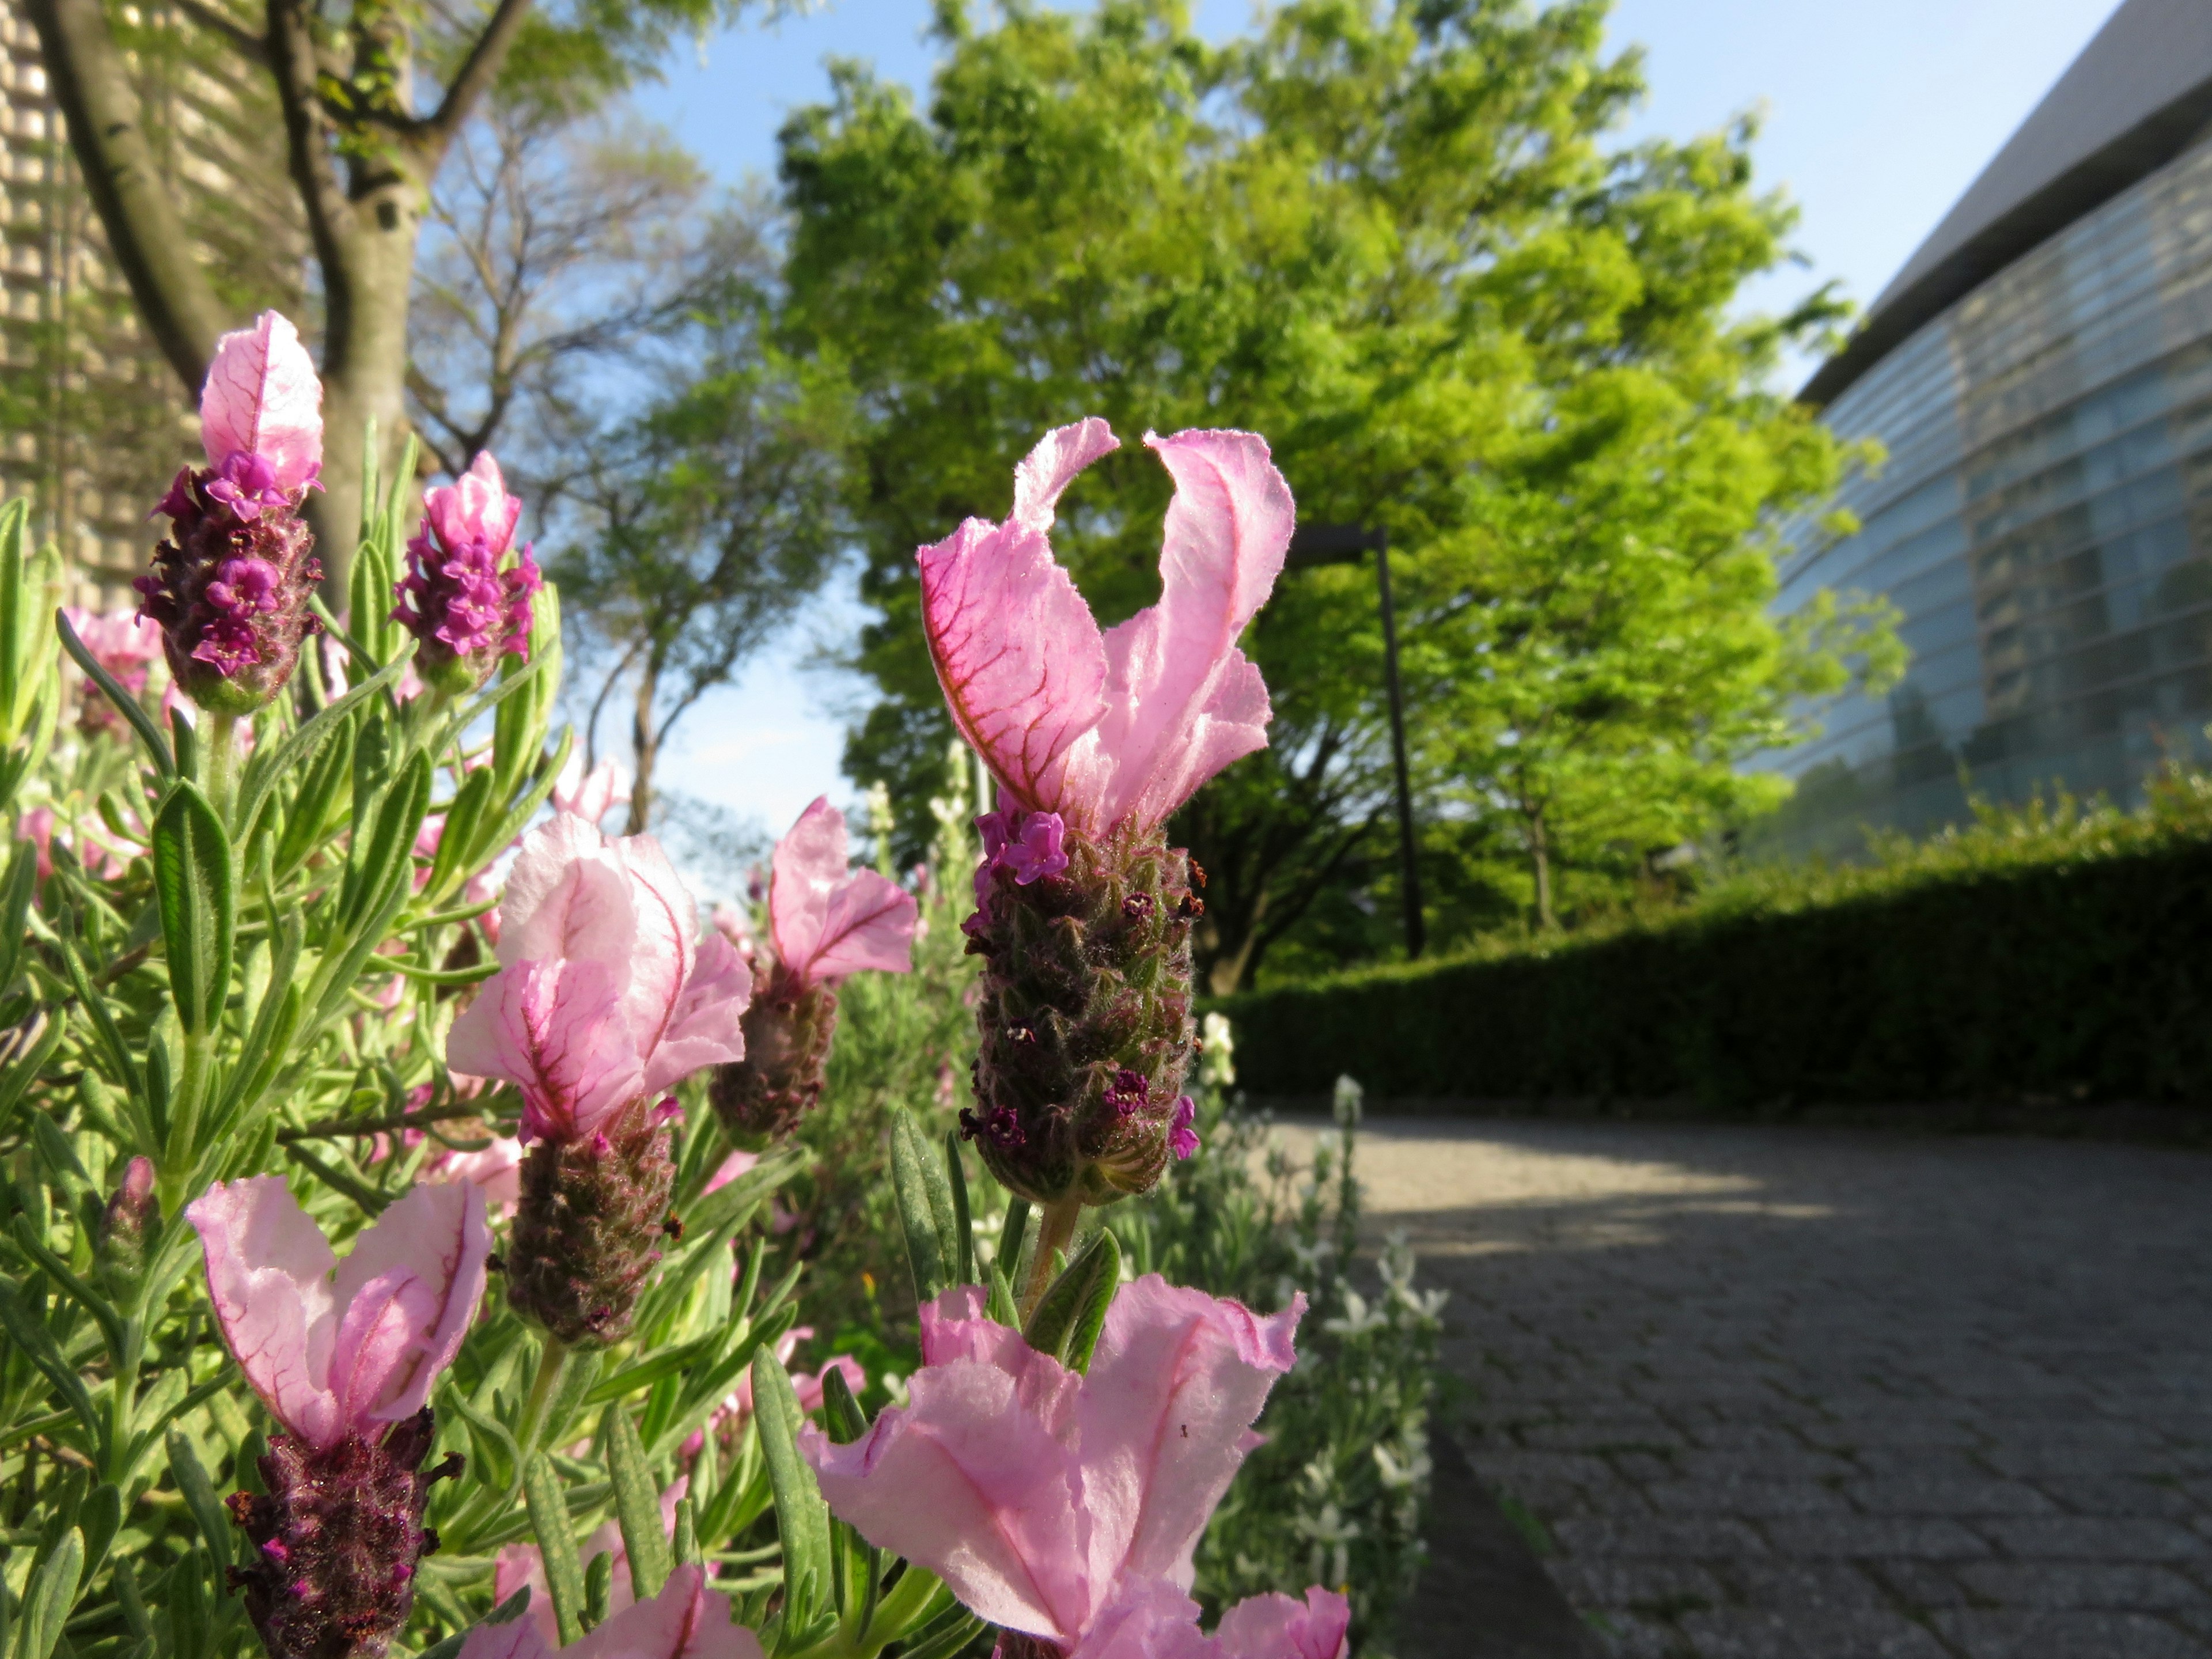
[
  {"x": 229, "y": 585},
  {"x": 1027, "y": 844},
  {"x": 456, "y": 597},
  {"x": 1129, "y": 1092},
  {"x": 1183, "y": 1139}
]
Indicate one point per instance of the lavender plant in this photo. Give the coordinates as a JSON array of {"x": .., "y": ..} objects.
[{"x": 378, "y": 1271}]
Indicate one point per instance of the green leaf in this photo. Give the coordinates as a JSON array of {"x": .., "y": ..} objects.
[
  {"x": 192, "y": 883},
  {"x": 685, "y": 1546},
  {"x": 48, "y": 1598},
  {"x": 17, "y": 891},
  {"x": 728, "y": 1203},
  {"x": 914, "y": 1174},
  {"x": 35, "y": 1042},
  {"x": 141, "y": 722},
  {"x": 599, "y": 1589},
  {"x": 451, "y": 866},
  {"x": 100, "y": 1520},
  {"x": 842, "y": 1415},
  {"x": 1067, "y": 1320},
  {"x": 1009, "y": 1257},
  {"x": 556, "y": 1545},
  {"x": 306, "y": 817},
  {"x": 198, "y": 1493},
  {"x": 37, "y": 1344},
  {"x": 1002, "y": 1306},
  {"x": 637, "y": 1505},
  {"x": 386, "y": 856},
  {"x": 963, "y": 1230},
  {"x": 802, "y": 1519}
]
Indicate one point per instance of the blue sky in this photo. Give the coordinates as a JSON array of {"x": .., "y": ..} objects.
[{"x": 1877, "y": 115}]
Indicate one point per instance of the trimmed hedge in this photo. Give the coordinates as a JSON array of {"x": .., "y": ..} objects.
[{"x": 2081, "y": 980}]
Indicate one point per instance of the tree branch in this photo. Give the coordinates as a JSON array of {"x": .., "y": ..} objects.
[
  {"x": 137, "y": 207},
  {"x": 475, "y": 77},
  {"x": 208, "y": 17},
  {"x": 294, "y": 65}
]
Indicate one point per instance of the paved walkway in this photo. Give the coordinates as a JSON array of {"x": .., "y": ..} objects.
[{"x": 1804, "y": 1392}]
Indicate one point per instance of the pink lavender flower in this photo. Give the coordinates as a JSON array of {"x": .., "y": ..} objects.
[
  {"x": 604, "y": 1001},
  {"x": 229, "y": 587},
  {"x": 343, "y": 1354},
  {"x": 827, "y": 922},
  {"x": 1118, "y": 728},
  {"x": 1182, "y": 1138},
  {"x": 122, "y": 643},
  {"x": 459, "y": 597},
  {"x": 1063, "y": 1507},
  {"x": 1083, "y": 913},
  {"x": 686, "y": 1621},
  {"x": 590, "y": 795}
]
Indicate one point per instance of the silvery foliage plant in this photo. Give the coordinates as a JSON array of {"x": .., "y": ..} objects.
[{"x": 385, "y": 1264}]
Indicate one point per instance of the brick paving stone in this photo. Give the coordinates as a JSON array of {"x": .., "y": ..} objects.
[
  {"x": 2093, "y": 1538},
  {"x": 1683, "y": 1343},
  {"x": 1745, "y": 1633},
  {"x": 2010, "y": 1635},
  {"x": 2055, "y": 1585}
]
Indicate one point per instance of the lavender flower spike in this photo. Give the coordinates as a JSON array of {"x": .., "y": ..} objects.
[
  {"x": 229, "y": 587},
  {"x": 456, "y": 598}
]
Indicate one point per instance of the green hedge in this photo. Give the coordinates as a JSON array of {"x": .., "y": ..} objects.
[{"x": 2078, "y": 981}]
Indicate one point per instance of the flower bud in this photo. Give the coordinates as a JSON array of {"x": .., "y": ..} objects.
[
  {"x": 336, "y": 1539},
  {"x": 1084, "y": 1012},
  {"x": 132, "y": 1213},
  {"x": 230, "y": 584},
  {"x": 456, "y": 599},
  {"x": 589, "y": 1226}
]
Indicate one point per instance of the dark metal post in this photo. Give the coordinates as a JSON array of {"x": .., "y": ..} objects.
[
  {"x": 1343, "y": 544},
  {"x": 1408, "y": 857}
]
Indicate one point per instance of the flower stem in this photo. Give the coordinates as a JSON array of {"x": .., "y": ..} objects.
[
  {"x": 1056, "y": 1225},
  {"x": 552, "y": 1360},
  {"x": 221, "y": 764}
]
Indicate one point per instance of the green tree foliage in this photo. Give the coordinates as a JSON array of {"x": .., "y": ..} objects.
[{"x": 1396, "y": 239}]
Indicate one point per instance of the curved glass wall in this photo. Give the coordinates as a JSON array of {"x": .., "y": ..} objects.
[{"x": 2044, "y": 523}]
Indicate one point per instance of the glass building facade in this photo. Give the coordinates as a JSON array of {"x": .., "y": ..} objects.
[{"x": 2043, "y": 524}]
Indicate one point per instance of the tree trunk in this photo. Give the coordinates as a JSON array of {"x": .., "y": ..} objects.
[
  {"x": 645, "y": 747},
  {"x": 138, "y": 207},
  {"x": 1539, "y": 867},
  {"x": 364, "y": 363}
]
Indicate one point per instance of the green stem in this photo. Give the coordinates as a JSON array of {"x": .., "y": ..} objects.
[
  {"x": 552, "y": 1360},
  {"x": 222, "y": 764},
  {"x": 180, "y": 1159},
  {"x": 1056, "y": 1224}
]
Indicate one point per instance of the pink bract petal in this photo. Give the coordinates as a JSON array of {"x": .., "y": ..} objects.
[
  {"x": 496, "y": 1171},
  {"x": 590, "y": 795},
  {"x": 828, "y": 921},
  {"x": 707, "y": 1026},
  {"x": 1177, "y": 1379},
  {"x": 262, "y": 396},
  {"x": 966, "y": 1483},
  {"x": 268, "y": 1269},
  {"x": 729, "y": 1170},
  {"x": 519, "y": 1638},
  {"x": 686, "y": 1621},
  {"x": 476, "y": 507},
  {"x": 1181, "y": 701},
  {"x": 554, "y": 1030},
  {"x": 328, "y": 1355},
  {"x": 1018, "y": 654},
  {"x": 432, "y": 1245},
  {"x": 1277, "y": 1627}
]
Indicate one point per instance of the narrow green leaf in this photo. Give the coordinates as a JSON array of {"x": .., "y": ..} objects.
[
  {"x": 192, "y": 883},
  {"x": 1001, "y": 1305},
  {"x": 1076, "y": 1303},
  {"x": 685, "y": 1546},
  {"x": 556, "y": 1546},
  {"x": 141, "y": 722},
  {"x": 802, "y": 1519},
  {"x": 31, "y": 1335},
  {"x": 926, "y": 1243},
  {"x": 842, "y": 1416},
  {"x": 1009, "y": 1256},
  {"x": 599, "y": 1589},
  {"x": 198, "y": 1492},
  {"x": 48, "y": 1598},
  {"x": 948, "y": 1634},
  {"x": 963, "y": 1230},
  {"x": 36, "y": 1041},
  {"x": 724, "y": 1204},
  {"x": 637, "y": 1505},
  {"x": 100, "y": 1520},
  {"x": 15, "y": 893}
]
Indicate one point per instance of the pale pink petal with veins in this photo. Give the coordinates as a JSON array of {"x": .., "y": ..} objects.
[
  {"x": 828, "y": 921},
  {"x": 262, "y": 397}
]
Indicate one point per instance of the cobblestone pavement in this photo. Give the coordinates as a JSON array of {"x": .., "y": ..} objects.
[{"x": 1830, "y": 1394}]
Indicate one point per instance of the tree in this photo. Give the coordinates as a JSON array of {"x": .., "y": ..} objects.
[
  {"x": 555, "y": 247},
  {"x": 373, "y": 97},
  {"x": 702, "y": 525},
  {"x": 1393, "y": 238}
]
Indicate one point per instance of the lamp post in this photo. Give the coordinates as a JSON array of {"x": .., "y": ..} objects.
[{"x": 1343, "y": 544}]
